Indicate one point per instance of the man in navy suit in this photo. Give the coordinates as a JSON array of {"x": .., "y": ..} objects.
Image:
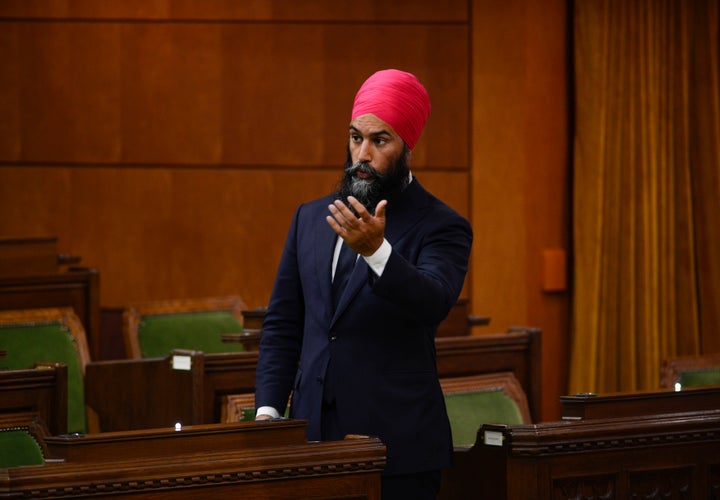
[{"x": 356, "y": 348}]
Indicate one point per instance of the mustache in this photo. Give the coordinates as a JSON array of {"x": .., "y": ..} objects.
[{"x": 363, "y": 167}]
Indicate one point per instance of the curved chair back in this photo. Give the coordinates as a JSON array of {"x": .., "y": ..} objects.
[
  {"x": 483, "y": 399},
  {"x": 153, "y": 329},
  {"x": 33, "y": 336}
]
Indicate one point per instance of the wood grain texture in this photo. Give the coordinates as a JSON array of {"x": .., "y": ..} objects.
[{"x": 168, "y": 143}]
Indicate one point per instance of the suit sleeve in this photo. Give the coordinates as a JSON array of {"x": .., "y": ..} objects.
[
  {"x": 425, "y": 280},
  {"x": 281, "y": 333}
]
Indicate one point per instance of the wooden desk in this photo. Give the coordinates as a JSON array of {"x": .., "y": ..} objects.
[
  {"x": 78, "y": 288},
  {"x": 652, "y": 456},
  {"x": 245, "y": 460},
  {"x": 150, "y": 393},
  {"x": 584, "y": 407},
  {"x": 154, "y": 392},
  {"x": 37, "y": 392}
]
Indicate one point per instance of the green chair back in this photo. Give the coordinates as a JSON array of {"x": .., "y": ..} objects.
[
  {"x": 469, "y": 410},
  {"x": 18, "y": 447},
  {"x": 700, "y": 377},
  {"x": 199, "y": 331},
  {"x": 30, "y": 343}
]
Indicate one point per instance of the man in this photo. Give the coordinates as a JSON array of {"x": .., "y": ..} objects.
[{"x": 362, "y": 360}]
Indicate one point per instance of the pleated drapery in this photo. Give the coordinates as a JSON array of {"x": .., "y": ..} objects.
[{"x": 646, "y": 189}]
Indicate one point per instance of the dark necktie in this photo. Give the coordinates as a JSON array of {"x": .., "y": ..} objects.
[{"x": 345, "y": 264}]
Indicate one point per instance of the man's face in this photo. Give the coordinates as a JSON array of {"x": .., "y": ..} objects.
[
  {"x": 375, "y": 142},
  {"x": 377, "y": 161}
]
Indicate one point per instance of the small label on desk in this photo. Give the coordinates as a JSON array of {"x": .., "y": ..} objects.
[
  {"x": 493, "y": 438},
  {"x": 181, "y": 363}
]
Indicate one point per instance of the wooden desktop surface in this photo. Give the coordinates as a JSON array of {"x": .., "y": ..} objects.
[
  {"x": 249, "y": 460},
  {"x": 629, "y": 404}
]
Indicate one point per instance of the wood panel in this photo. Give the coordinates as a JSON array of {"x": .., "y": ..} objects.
[
  {"x": 218, "y": 93},
  {"x": 256, "y": 10},
  {"x": 173, "y": 233},
  {"x": 168, "y": 142},
  {"x": 520, "y": 169}
]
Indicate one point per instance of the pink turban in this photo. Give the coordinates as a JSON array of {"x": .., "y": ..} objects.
[{"x": 397, "y": 98}]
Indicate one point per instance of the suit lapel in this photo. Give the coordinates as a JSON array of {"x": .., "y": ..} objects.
[
  {"x": 402, "y": 215},
  {"x": 324, "y": 240},
  {"x": 404, "y": 212}
]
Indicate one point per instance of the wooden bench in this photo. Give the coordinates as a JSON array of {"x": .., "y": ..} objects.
[
  {"x": 195, "y": 396},
  {"x": 645, "y": 456},
  {"x": 247, "y": 460}
]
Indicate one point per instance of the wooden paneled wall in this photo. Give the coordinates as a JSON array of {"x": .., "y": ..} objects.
[{"x": 168, "y": 142}]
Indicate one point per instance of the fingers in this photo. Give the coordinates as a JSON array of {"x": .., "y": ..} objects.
[
  {"x": 380, "y": 209},
  {"x": 360, "y": 209},
  {"x": 341, "y": 215},
  {"x": 363, "y": 232},
  {"x": 333, "y": 224},
  {"x": 343, "y": 220}
]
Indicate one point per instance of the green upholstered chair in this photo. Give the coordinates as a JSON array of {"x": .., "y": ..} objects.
[
  {"x": 153, "y": 329},
  {"x": 35, "y": 336},
  {"x": 690, "y": 371},
  {"x": 18, "y": 447},
  {"x": 480, "y": 399}
]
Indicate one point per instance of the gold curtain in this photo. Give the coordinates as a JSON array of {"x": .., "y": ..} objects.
[{"x": 646, "y": 189}]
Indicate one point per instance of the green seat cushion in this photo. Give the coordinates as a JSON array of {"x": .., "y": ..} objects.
[
  {"x": 700, "y": 377},
  {"x": 34, "y": 343},
  {"x": 18, "y": 447},
  {"x": 199, "y": 331},
  {"x": 469, "y": 410}
]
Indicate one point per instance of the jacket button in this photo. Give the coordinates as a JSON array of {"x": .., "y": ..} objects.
[
  {"x": 319, "y": 380},
  {"x": 333, "y": 338}
]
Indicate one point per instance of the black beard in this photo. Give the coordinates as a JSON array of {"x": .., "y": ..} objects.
[{"x": 375, "y": 188}]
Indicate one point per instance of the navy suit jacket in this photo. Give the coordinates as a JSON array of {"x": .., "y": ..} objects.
[{"x": 378, "y": 346}]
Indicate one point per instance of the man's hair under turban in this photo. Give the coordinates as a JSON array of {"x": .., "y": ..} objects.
[{"x": 397, "y": 98}]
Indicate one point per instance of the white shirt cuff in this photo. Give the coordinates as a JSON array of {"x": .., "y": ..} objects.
[
  {"x": 267, "y": 410},
  {"x": 378, "y": 260}
]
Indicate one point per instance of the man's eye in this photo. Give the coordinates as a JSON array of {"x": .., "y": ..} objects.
[
  {"x": 380, "y": 141},
  {"x": 355, "y": 138}
]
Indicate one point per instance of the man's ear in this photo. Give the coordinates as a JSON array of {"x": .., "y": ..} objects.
[{"x": 408, "y": 155}]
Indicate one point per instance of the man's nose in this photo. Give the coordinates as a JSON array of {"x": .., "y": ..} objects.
[{"x": 365, "y": 153}]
